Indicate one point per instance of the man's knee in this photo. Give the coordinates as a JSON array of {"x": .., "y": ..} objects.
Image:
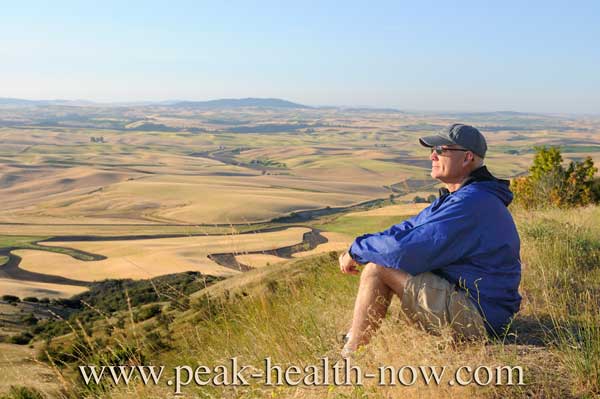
[
  {"x": 371, "y": 270},
  {"x": 394, "y": 278}
]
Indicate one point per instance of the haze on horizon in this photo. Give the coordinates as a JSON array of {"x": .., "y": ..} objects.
[{"x": 534, "y": 57}]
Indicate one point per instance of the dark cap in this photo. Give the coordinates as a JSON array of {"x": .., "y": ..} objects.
[{"x": 463, "y": 135}]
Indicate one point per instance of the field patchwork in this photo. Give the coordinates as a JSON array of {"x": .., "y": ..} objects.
[{"x": 142, "y": 259}]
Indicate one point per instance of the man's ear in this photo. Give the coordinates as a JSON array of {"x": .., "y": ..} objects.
[{"x": 469, "y": 157}]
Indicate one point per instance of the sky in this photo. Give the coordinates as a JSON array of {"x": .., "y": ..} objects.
[{"x": 526, "y": 56}]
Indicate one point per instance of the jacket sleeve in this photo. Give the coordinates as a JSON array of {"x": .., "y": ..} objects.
[{"x": 440, "y": 239}]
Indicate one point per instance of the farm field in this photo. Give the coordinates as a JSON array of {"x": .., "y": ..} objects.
[
  {"x": 140, "y": 259},
  {"x": 203, "y": 166},
  {"x": 156, "y": 189},
  {"x": 24, "y": 288}
]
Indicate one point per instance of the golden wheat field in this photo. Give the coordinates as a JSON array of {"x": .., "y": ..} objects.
[
  {"x": 24, "y": 289},
  {"x": 142, "y": 259}
]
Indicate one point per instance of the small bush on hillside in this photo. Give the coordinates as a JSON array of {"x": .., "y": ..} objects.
[
  {"x": 156, "y": 342},
  {"x": 21, "y": 339},
  {"x": 147, "y": 312},
  {"x": 30, "y": 299},
  {"x": 10, "y": 298},
  {"x": 550, "y": 184},
  {"x": 51, "y": 328},
  {"x": 29, "y": 319}
]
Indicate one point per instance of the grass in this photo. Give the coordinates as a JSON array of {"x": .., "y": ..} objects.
[
  {"x": 29, "y": 242},
  {"x": 561, "y": 278},
  {"x": 18, "y": 241},
  {"x": 15, "y": 371}
]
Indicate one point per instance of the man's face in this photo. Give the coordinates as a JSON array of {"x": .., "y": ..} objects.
[{"x": 450, "y": 165}]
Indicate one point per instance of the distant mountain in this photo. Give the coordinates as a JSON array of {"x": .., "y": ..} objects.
[
  {"x": 240, "y": 102},
  {"x": 221, "y": 103},
  {"x": 19, "y": 102}
]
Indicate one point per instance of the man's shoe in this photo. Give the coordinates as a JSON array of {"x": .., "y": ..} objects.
[
  {"x": 346, "y": 337},
  {"x": 347, "y": 353}
]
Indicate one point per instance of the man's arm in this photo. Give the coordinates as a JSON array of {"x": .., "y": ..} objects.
[
  {"x": 349, "y": 266},
  {"x": 441, "y": 238}
]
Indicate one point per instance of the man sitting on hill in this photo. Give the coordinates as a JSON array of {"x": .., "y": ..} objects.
[{"x": 455, "y": 264}]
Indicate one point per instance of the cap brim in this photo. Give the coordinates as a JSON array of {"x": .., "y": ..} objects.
[{"x": 432, "y": 141}]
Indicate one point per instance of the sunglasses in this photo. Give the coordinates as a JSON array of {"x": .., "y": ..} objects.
[{"x": 440, "y": 150}]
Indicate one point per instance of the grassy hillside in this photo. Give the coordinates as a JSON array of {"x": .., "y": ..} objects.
[{"x": 295, "y": 313}]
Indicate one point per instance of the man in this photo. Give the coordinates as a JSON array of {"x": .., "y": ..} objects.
[{"x": 455, "y": 264}]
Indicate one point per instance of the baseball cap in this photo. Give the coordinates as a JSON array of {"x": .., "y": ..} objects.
[{"x": 465, "y": 136}]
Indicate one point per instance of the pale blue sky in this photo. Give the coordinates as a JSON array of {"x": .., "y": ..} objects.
[{"x": 470, "y": 55}]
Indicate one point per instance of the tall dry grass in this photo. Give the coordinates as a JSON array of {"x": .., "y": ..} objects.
[{"x": 561, "y": 281}]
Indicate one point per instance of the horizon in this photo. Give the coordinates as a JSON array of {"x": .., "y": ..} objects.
[
  {"x": 146, "y": 102},
  {"x": 531, "y": 58}
]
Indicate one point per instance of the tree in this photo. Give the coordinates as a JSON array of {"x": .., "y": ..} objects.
[
  {"x": 10, "y": 298},
  {"x": 579, "y": 179},
  {"x": 547, "y": 161},
  {"x": 550, "y": 184},
  {"x": 419, "y": 200}
]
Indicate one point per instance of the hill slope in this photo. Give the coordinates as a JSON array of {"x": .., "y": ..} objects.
[{"x": 295, "y": 313}]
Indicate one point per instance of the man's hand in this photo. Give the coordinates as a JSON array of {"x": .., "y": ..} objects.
[{"x": 347, "y": 264}]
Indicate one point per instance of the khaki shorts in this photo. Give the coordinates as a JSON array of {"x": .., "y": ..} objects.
[{"x": 434, "y": 304}]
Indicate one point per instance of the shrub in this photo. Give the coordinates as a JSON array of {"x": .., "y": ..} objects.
[
  {"x": 30, "y": 299},
  {"x": 156, "y": 342},
  {"x": 147, "y": 312},
  {"x": 21, "y": 339},
  {"x": 10, "y": 298},
  {"x": 29, "y": 319}
]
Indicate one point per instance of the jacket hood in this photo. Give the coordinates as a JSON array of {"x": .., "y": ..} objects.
[{"x": 490, "y": 183}]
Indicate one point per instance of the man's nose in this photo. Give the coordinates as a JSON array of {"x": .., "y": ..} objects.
[{"x": 433, "y": 156}]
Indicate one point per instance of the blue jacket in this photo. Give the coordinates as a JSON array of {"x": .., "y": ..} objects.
[{"x": 467, "y": 237}]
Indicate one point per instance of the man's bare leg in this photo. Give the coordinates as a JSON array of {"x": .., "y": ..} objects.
[{"x": 377, "y": 285}]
